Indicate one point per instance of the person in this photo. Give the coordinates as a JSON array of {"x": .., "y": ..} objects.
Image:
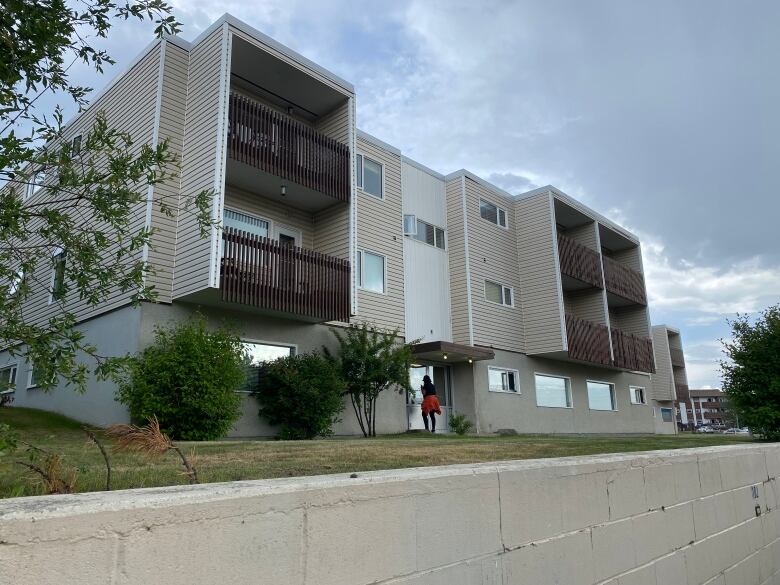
[{"x": 430, "y": 403}]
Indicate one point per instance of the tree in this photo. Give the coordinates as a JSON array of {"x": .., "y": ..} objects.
[
  {"x": 302, "y": 394},
  {"x": 90, "y": 190},
  {"x": 751, "y": 372},
  {"x": 187, "y": 380},
  {"x": 370, "y": 361}
]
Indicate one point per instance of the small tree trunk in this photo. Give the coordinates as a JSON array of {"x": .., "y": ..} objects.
[{"x": 358, "y": 416}]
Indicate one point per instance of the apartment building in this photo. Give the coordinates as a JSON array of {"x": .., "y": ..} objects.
[
  {"x": 670, "y": 381},
  {"x": 704, "y": 406},
  {"x": 528, "y": 310}
]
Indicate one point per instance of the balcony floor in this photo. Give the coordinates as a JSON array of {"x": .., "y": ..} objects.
[{"x": 254, "y": 180}]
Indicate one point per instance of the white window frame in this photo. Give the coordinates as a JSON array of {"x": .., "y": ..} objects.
[
  {"x": 30, "y": 384},
  {"x": 15, "y": 367},
  {"x": 661, "y": 413},
  {"x": 499, "y": 211},
  {"x": 361, "y": 174},
  {"x": 612, "y": 393},
  {"x": 270, "y": 222},
  {"x": 436, "y": 229},
  {"x": 512, "y": 371},
  {"x": 632, "y": 395},
  {"x": 504, "y": 288},
  {"x": 56, "y": 252},
  {"x": 361, "y": 252},
  {"x": 16, "y": 282},
  {"x": 568, "y": 390},
  {"x": 413, "y": 219},
  {"x": 292, "y": 346},
  {"x": 35, "y": 184}
]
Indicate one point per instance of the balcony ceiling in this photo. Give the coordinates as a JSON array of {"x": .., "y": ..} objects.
[
  {"x": 282, "y": 83},
  {"x": 568, "y": 217},
  {"x": 611, "y": 240},
  {"x": 269, "y": 186}
]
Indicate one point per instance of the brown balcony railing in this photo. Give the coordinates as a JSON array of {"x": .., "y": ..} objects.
[
  {"x": 277, "y": 144},
  {"x": 588, "y": 341},
  {"x": 682, "y": 392},
  {"x": 579, "y": 261},
  {"x": 678, "y": 360},
  {"x": 632, "y": 352},
  {"x": 263, "y": 273},
  {"x": 624, "y": 281}
]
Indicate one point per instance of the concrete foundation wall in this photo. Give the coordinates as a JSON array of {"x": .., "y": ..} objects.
[{"x": 690, "y": 517}]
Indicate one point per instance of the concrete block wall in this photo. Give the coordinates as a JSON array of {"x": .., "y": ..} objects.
[{"x": 689, "y": 517}]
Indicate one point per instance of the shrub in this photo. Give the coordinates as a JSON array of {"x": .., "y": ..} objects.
[
  {"x": 460, "y": 424},
  {"x": 187, "y": 379},
  {"x": 302, "y": 394}
]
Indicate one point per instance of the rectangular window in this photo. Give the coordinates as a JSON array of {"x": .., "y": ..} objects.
[
  {"x": 410, "y": 225},
  {"x": 440, "y": 238},
  {"x": 425, "y": 233},
  {"x": 59, "y": 258},
  {"x": 371, "y": 271},
  {"x": 75, "y": 146},
  {"x": 637, "y": 395},
  {"x": 552, "y": 391},
  {"x": 502, "y": 380},
  {"x": 35, "y": 184},
  {"x": 498, "y": 293},
  {"x": 7, "y": 379},
  {"x": 666, "y": 414},
  {"x": 257, "y": 354},
  {"x": 245, "y": 223},
  {"x": 601, "y": 396},
  {"x": 369, "y": 176},
  {"x": 492, "y": 213}
]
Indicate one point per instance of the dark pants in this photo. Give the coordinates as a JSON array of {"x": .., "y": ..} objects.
[{"x": 433, "y": 421}]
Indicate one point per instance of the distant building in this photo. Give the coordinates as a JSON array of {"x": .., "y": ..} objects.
[{"x": 705, "y": 406}]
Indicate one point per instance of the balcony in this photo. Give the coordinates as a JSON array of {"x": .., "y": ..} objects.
[
  {"x": 588, "y": 341},
  {"x": 579, "y": 262},
  {"x": 678, "y": 360},
  {"x": 632, "y": 352},
  {"x": 624, "y": 282},
  {"x": 266, "y": 274},
  {"x": 682, "y": 392},
  {"x": 264, "y": 139}
]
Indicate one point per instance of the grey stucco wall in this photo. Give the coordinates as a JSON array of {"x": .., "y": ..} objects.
[
  {"x": 499, "y": 410},
  {"x": 114, "y": 334},
  {"x": 689, "y": 517}
]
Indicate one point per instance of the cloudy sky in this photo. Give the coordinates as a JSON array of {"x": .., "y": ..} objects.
[{"x": 663, "y": 115}]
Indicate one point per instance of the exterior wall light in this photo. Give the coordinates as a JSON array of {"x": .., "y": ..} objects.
[
  {"x": 283, "y": 190},
  {"x": 444, "y": 355}
]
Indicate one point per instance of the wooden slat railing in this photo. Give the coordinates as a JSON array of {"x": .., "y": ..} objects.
[
  {"x": 278, "y": 144},
  {"x": 678, "y": 359},
  {"x": 579, "y": 261},
  {"x": 682, "y": 392},
  {"x": 624, "y": 281},
  {"x": 632, "y": 352},
  {"x": 588, "y": 341},
  {"x": 263, "y": 273}
]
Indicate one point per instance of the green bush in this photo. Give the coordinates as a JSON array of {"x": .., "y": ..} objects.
[
  {"x": 302, "y": 394},
  {"x": 460, "y": 424},
  {"x": 187, "y": 379}
]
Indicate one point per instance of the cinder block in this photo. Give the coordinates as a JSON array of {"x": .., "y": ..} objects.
[
  {"x": 659, "y": 486},
  {"x": 772, "y": 455},
  {"x": 670, "y": 570},
  {"x": 626, "y": 489},
  {"x": 613, "y": 548},
  {"x": 686, "y": 481},
  {"x": 661, "y": 532},
  {"x": 560, "y": 561},
  {"x": 743, "y": 469},
  {"x": 713, "y": 514},
  {"x": 746, "y": 572},
  {"x": 482, "y": 572},
  {"x": 768, "y": 562},
  {"x": 541, "y": 503},
  {"x": 709, "y": 475},
  {"x": 643, "y": 576},
  {"x": 706, "y": 559}
]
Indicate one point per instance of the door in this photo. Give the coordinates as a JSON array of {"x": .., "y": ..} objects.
[
  {"x": 441, "y": 379},
  {"x": 288, "y": 239}
]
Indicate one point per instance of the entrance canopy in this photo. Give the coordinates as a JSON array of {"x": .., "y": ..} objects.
[{"x": 445, "y": 351}]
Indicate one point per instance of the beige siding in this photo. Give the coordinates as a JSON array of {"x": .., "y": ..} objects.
[
  {"x": 585, "y": 304},
  {"x": 630, "y": 320},
  {"x": 493, "y": 257},
  {"x": 173, "y": 102},
  {"x": 631, "y": 258},
  {"x": 662, "y": 380},
  {"x": 379, "y": 230},
  {"x": 584, "y": 234},
  {"x": 199, "y": 161},
  {"x": 457, "y": 251},
  {"x": 336, "y": 123},
  {"x": 331, "y": 231},
  {"x": 539, "y": 278},
  {"x": 278, "y": 214},
  {"x": 129, "y": 105}
]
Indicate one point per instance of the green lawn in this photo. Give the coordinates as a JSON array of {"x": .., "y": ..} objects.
[{"x": 233, "y": 460}]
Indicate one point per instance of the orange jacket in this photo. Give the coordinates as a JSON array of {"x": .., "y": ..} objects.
[{"x": 431, "y": 404}]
